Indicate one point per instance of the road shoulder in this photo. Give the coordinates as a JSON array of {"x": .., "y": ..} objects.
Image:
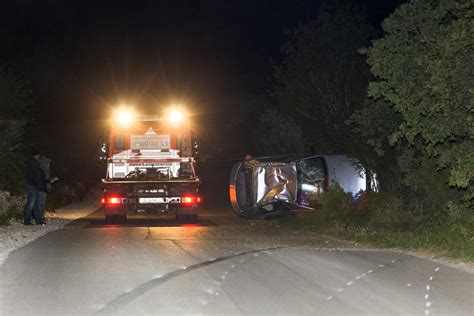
[{"x": 16, "y": 235}]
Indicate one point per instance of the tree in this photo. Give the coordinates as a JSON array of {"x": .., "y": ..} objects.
[
  {"x": 323, "y": 77},
  {"x": 278, "y": 134},
  {"x": 424, "y": 75}
]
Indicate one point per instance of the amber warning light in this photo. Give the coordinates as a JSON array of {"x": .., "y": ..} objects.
[{"x": 190, "y": 199}]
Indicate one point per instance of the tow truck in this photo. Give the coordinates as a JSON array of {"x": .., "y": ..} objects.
[{"x": 151, "y": 167}]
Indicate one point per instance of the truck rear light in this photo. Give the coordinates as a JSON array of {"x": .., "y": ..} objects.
[
  {"x": 190, "y": 199},
  {"x": 112, "y": 200},
  {"x": 187, "y": 200}
]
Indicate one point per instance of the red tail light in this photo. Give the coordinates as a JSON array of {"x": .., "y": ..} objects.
[
  {"x": 115, "y": 200},
  {"x": 187, "y": 200},
  {"x": 190, "y": 199},
  {"x": 112, "y": 200}
]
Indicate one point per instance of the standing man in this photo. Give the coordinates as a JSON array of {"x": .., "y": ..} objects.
[
  {"x": 33, "y": 182},
  {"x": 45, "y": 186}
]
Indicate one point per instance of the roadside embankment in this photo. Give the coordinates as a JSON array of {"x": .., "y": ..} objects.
[{"x": 382, "y": 221}]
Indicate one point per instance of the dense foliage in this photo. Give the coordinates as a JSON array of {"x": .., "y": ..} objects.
[
  {"x": 412, "y": 125},
  {"x": 15, "y": 99},
  {"x": 423, "y": 82}
]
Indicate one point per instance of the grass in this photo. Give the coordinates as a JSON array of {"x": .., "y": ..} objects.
[{"x": 383, "y": 223}]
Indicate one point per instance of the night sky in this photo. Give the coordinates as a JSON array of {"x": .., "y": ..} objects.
[{"x": 84, "y": 57}]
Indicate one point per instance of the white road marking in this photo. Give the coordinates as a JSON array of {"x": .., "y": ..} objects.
[
  {"x": 209, "y": 291},
  {"x": 431, "y": 278},
  {"x": 437, "y": 269},
  {"x": 428, "y": 287},
  {"x": 428, "y": 304},
  {"x": 358, "y": 278},
  {"x": 409, "y": 285},
  {"x": 427, "y": 296}
]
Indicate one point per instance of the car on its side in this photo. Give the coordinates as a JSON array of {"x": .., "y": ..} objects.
[{"x": 271, "y": 186}]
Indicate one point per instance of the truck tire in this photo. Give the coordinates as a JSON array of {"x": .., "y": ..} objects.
[
  {"x": 185, "y": 215},
  {"x": 115, "y": 219}
]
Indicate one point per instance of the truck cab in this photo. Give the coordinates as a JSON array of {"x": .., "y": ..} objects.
[{"x": 151, "y": 168}]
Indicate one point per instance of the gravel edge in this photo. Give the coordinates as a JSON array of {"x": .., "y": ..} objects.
[{"x": 17, "y": 235}]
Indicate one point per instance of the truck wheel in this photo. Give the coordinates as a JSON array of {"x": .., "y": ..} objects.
[
  {"x": 115, "y": 219},
  {"x": 185, "y": 216}
]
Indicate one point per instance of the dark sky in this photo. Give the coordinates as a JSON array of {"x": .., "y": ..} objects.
[
  {"x": 149, "y": 49},
  {"x": 82, "y": 56}
]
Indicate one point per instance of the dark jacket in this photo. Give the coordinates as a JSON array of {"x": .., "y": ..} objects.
[
  {"x": 33, "y": 173},
  {"x": 43, "y": 187}
]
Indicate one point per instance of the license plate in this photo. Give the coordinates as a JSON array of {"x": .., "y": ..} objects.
[{"x": 147, "y": 200}]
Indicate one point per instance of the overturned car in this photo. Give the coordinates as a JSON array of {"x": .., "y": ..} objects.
[{"x": 271, "y": 186}]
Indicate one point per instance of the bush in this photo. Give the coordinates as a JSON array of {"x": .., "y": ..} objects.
[
  {"x": 336, "y": 203},
  {"x": 383, "y": 209},
  {"x": 11, "y": 207},
  {"x": 61, "y": 195}
]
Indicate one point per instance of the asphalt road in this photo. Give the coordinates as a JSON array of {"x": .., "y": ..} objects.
[{"x": 222, "y": 266}]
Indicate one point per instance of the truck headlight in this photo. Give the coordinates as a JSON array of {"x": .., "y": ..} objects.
[
  {"x": 124, "y": 117},
  {"x": 176, "y": 116}
]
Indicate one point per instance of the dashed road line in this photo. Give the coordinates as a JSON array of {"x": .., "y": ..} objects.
[
  {"x": 359, "y": 277},
  {"x": 428, "y": 303}
]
